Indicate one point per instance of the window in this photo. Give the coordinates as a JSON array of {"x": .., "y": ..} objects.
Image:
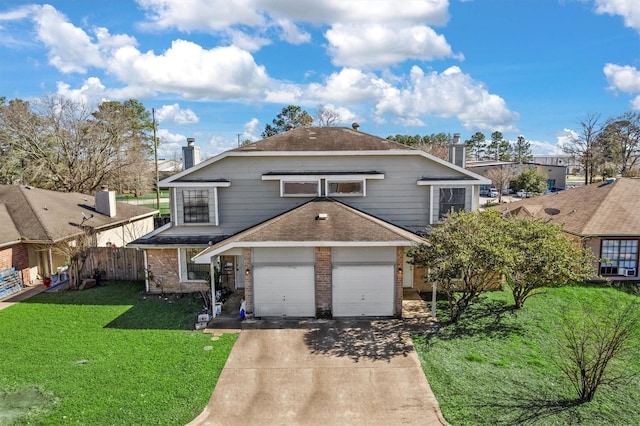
[
  {"x": 195, "y": 271},
  {"x": 300, "y": 188},
  {"x": 451, "y": 199},
  {"x": 345, "y": 188},
  {"x": 196, "y": 205},
  {"x": 619, "y": 257}
]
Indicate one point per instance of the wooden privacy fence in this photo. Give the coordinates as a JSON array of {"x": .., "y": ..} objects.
[{"x": 119, "y": 263}]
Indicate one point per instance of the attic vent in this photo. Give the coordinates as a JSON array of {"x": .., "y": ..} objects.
[
  {"x": 355, "y": 126},
  {"x": 322, "y": 216}
]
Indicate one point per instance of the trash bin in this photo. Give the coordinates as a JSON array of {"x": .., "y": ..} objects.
[{"x": 218, "y": 309}]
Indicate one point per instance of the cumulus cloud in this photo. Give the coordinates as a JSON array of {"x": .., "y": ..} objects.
[
  {"x": 92, "y": 92},
  {"x": 70, "y": 48},
  {"x": 252, "y": 129},
  {"x": 380, "y": 45},
  {"x": 625, "y": 79},
  {"x": 193, "y": 72},
  {"x": 627, "y": 9},
  {"x": 448, "y": 94},
  {"x": 174, "y": 114},
  {"x": 170, "y": 143}
]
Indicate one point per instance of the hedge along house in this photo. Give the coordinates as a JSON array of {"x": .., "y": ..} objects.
[
  {"x": 311, "y": 222},
  {"x": 36, "y": 222}
]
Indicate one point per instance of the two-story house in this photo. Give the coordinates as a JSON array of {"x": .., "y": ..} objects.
[{"x": 311, "y": 222}]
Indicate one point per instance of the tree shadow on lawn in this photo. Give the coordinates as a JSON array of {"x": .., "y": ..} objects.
[
  {"x": 527, "y": 408},
  {"x": 493, "y": 319},
  {"x": 376, "y": 340}
]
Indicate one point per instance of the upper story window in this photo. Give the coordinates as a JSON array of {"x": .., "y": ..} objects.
[
  {"x": 345, "y": 188},
  {"x": 300, "y": 188},
  {"x": 619, "y": 257},
  {"x": 451, "y": 199},
  {"x": 195, "y": 205}
]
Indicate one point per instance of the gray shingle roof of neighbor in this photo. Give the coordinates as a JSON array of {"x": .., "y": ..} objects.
[
  {"x": 177, "y": 240},
  {"x": 322, "y": 220},
  {"x": 40, "y": 215},
  {"x": 599, "y": 209},
  {"x": 323, "y": 139}
]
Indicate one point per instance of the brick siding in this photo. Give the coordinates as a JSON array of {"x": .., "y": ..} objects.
[
  {"x": 163, "y": 264},
  {"x": 323, "y": 284},
  {"x": 398, "y": 284},
  {"x": 248, "y": 282},
  {"x": 16, "y": 256}
]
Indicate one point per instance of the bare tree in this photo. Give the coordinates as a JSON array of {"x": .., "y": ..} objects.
[
  {"x": 501, "y": 178},
  {"x": 585, "y": 145},
  {"x": 590, "y": 345},
  {"x": 64, "y": 146},
  {"x": 620, "y": 141},
  {"x": 327, "y": 117}
]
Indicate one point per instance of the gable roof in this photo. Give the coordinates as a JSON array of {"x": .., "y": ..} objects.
[
  {"x": 323, "y": 139},
  {"x": 599, "y": 209},
  {"x": 334, "y": 141},
  {"x": 319, "y": 222},
  {"x": 40, "y": 215}
]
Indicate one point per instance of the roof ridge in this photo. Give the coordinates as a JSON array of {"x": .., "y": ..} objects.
[{"x": 21, "y": 189}]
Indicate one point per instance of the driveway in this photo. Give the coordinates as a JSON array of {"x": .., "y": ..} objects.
[{"x": 323, "y": 373}]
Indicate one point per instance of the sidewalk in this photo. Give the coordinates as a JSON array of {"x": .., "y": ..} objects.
[{"x": 28, "y": 292}]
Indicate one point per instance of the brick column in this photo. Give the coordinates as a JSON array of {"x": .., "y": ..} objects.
[
  {"x": 323, "y": 277},
  {"x": 398, "y": 286},
  {"x": 248, "y": 282}
]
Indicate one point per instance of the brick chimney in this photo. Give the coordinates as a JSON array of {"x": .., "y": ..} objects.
[
  {"x": 190, "y": 154},
  {"x": 457, "y": 151},
  {"x": 106, "y": 202}
]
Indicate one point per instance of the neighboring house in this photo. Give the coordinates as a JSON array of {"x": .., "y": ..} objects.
[
  {"x": 556, "y": 175},
  {"x": 311, "y": 222},
  {"x": 604, "y": 216},
  {"x": 37, "y": 221}
]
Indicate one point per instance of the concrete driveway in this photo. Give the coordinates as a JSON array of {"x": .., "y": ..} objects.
[{"x": 333, "y": 373}]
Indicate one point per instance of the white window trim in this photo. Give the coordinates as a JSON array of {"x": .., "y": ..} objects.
[
  {"x": 182, "y": 266},
  {"x": 214, "y": 194},
  {"x": 283, "y": 181},
  {"x": 338, "y": 194}
]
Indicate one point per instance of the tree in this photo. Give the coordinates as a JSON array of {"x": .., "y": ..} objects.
[
  {"x": 464, "y": 256},
  {"x": 289, "y": 118},
  {"x": 327, "y": 117},
  {"x": 620, "y": 141},
  {"x": 531, "y": 181},
  {"x": 498, "y": 148},
  {"x": 436, "y": 144},
  {"x": 589, "y": 345},
  {"x": 476, "y": 146},
  {"x": 63, "y": 146},
  {"x": 501, "y": 178},
  {"x": 522, "y": 150},
  {"x": 585, "y": 147},
  {"x": 541, "y": 256}
]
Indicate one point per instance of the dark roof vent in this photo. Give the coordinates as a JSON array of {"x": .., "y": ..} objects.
[{"x": 355, "y": 126}]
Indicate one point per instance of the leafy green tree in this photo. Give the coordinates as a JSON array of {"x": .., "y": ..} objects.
[
  {"x": 289, "y": 118},
  {"x": 499, "y": 148},
  {"x": 522, "y": 150},
  {"x": 620, "y": 141},
  {"x": 476, "y": 146},
  {"x": 541, "y": 256},
  {"x": 465, "y": 256},
  {"x": 531, "y": 181},
  {"x": 435, "y": 144}
]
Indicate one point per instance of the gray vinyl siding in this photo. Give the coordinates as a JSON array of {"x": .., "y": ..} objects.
[{"x": 397, "y": 198}]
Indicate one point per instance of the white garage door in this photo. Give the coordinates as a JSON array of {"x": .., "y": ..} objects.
[
  {"x": 363, "y": 290},
  {"x": 284, "y": 291}
]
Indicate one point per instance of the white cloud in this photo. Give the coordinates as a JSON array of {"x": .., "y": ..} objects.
[
  {"x": 628, "y": 9},
  {"x": 252, "y": 129},
  {"x": 625, "y": 79},
  {"x": 92, "y": 92},
  {"x": 350, "y": 85},
  {"x": 192, "y": 15},
  {"x": 292, "y": 34},
  {"x": 567, "y": 136},
  {"x": 70, "y": 47},
  {"x": 382, "y": 45},
  {"x": 170, "y": 144},
  {"x": 174, "y": 114},
  {"x": 193, "y": 72},
  {"x": 448, "y": 94}
]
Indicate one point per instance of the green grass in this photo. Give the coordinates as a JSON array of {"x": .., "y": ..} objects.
[
  {"x": 107, "y": 355},
  {"x": 148, "y": 196},
  {"x": 499, "y": 366},
  {"x": 164, "y": 207}
]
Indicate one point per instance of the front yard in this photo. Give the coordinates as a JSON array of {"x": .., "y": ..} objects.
[
  {"x": 496, "y": 367},
  {"x": 107, "y": 355}
]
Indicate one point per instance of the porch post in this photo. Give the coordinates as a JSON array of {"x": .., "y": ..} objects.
[{"x": 433, "y": 298}]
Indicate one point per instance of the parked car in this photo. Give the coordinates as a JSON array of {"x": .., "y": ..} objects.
[
  {"x": 523, "y": 194},
  {"x": 493, "y": 193}
]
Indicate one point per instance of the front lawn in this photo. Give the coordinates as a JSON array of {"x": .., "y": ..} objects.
[
  {"x": 496, "y": 367},
  {"x": 107, "y": 355}
]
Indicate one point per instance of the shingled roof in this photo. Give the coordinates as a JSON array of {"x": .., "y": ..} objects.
[
  {"x": 323, "y": 221},
  {"x": 323, "y": 139},
  {"x": 38, "y": 215},
  {"x": 599, "y": 209}
]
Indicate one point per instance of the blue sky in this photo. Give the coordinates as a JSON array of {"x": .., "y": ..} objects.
[{"x": 216, "y": 69}]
